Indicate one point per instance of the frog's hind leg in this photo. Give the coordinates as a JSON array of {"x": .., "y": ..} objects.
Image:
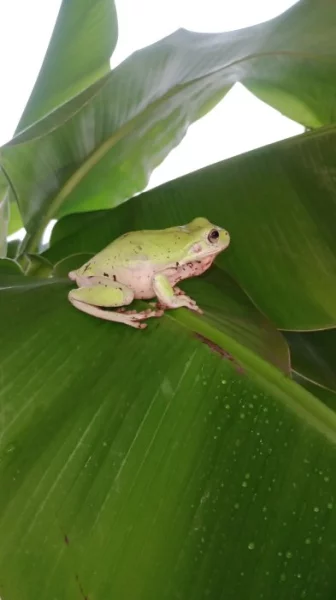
[
  {"x": 133, "y": 320},
  {"x": 104, "y": 294}
]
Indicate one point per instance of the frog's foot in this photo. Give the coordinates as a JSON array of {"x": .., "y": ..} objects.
[
  {"x": 172, "y": 298},
  {"x": 96, "y": 300},
  {"x": 181, "y": 300},
  {"x": 190, "y": 303},
  {"x": 178, "y": 291},
  {"x": 134, "y": 318},
  {"x": 144, "y": 314},
  {"x": 184, "y": 300}
]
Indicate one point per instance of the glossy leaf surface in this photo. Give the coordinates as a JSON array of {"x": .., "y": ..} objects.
[
  {"x": 84, "y": 37},
  {"x": 145, "y": 452},
  {"x": 100, "y": 148}
]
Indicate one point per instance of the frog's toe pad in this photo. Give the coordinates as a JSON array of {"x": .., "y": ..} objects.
[
  {"x": 149, "y": 312},
  {"x": 134, "y": 318},
  {"x": 178, "y": 291},
  {"x": 184, "y": 300},
  {"x": 193, "y": 306},
  {"x": 198, "y": 309}
]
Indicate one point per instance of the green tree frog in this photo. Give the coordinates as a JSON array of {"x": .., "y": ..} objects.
[{"x": 145, "y": 265}]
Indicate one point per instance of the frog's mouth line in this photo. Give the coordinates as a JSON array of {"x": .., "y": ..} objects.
[{"x": 202, "y": 256}]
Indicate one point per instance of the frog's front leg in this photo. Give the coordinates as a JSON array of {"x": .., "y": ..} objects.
[
  {"x": 99, "y": 293},
  {"x": 168, "y": 298}
]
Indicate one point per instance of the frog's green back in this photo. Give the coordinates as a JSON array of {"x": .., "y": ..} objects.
[{"x": 158, "y": 247}]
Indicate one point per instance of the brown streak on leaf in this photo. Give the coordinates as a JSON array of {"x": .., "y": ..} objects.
[
  {"x": 223, "y": 353},
  {"x": 84, "y": 596}
]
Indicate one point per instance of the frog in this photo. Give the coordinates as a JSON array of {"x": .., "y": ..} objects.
[{"x": 144, "y": 265}]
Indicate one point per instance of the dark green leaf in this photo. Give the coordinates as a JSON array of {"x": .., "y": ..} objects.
[
  {"x": 10, "y": 219},
  {"x": 4, "y": 218},
  {"x": 39, "y": 266},
  {"x": 328, "y": 397},
  {"x": 9, "y": 267},
  {"x": 63, "y": 267},
  {"x": 313, "y": 355},
  {"x": 141, "y": 465},
  {"x": 12, "y": 248},
  {"x": 228, "y": 310}
]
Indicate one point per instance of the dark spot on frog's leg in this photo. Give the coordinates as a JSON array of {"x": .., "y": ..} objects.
[
  {"x": 87, "y": 267},
  {"x": 177, "y": 264},
  {"x": 114, "y": 278},
  {"x": 105, "y": 274}
]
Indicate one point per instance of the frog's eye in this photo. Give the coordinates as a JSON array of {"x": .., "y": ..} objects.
[{"x": 213, "y": 235}]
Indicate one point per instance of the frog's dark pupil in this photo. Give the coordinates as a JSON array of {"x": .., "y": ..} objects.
[{"x": 214, "y": 234}]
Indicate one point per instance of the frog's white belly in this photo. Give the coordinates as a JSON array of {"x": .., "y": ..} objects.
[{"x": 140, "y": 279}]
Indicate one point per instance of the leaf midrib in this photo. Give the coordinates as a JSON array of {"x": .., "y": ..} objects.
[
  {"x": 296, "y": 398},
  {"x": 314, "y": 412}
]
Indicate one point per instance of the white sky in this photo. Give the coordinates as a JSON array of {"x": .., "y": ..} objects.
[{"x": 239, "y": 123}]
